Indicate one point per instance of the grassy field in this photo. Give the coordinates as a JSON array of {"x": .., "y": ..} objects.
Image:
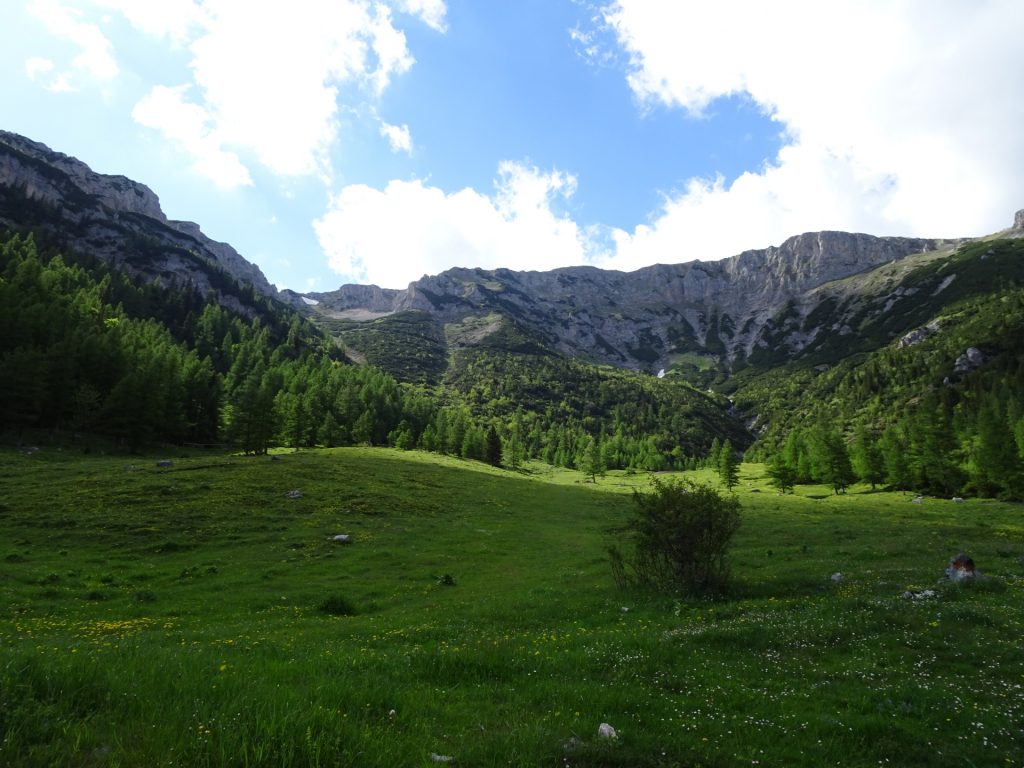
[{"x": 174, "y": 616}]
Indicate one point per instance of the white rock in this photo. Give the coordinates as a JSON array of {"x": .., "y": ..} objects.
[
  {"x": 836, "y": 577},
  {"x": 605, "y": 731},
  {"x": 436, "y": 758},
  {"x": 342, "y": 538}
]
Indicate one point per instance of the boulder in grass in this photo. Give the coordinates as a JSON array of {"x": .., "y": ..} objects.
[
  {"x": 961, "y": 568},
  {"x": 924, "y": 594},
  {"x": 342, "y": 538},
  {"x": 294, "y": 494},
  {"x": 605, "y": 731},
  {"x": 164, "y": 463}
]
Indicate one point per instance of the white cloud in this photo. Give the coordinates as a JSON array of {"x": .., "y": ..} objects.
[
  {"x": 170, "y": 19},
  {"x": 899, "y": 118},
  {"x": 190, "y": 127},
  {"x": 392, "y": 236},
  {"x": 431, "y": 11},
  {"x": 268, "y": 77},
  {"x": 36, "y": 66},
  {"x": 95, "y": 59},
  {"x": 398, "y": 137}
]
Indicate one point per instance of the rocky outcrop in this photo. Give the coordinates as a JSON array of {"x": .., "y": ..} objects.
[
  {"x": 115, "y": 219},
  {"x": 971, "y": 358},
  {"x": 641, "y": 319},
  {"x": 918, "y": 335},
  {"x": 1018, "y": 223},
  {"x": 53, "y": 178}
]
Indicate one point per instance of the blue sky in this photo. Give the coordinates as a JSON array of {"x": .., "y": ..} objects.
[{"x": 335, "y": 141}]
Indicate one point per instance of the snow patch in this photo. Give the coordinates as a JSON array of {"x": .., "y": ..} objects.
[{"x": 944, "y": 285}]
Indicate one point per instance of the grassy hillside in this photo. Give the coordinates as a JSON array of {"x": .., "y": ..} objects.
[{"x": 171, "y": 616}]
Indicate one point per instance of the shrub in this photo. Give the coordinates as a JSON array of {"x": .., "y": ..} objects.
[
  {"x": 679, "y": 535},
  {"x": 337, "y": 605}
]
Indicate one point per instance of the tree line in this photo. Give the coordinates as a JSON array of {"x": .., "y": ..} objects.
[{"x": 86, "y": 349}]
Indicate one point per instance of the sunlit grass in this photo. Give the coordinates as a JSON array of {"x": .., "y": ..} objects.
[{"x": 173, "y": 617}]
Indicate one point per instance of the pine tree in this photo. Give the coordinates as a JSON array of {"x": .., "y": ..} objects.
[
  {"x": 782, "y": 474},
  {"x": 838, "y": 469},
  {"x": 492, "y": 450},
  {"x": 714, "y": 455},
  {"x": 997, "y": 466},
  {"x": 728, "y": 466},
  {"x": 593, "y": 465},
  {"x": 867, "y": 459},
  {"x": 514, "y": 448},
  {"x": 894, "y": 448}
]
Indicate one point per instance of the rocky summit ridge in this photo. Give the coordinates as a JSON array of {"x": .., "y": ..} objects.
[
  {"x": 760, "y": 304},
  {"x": 646, "y": 319},
  {"x": 115, "y": 219}
]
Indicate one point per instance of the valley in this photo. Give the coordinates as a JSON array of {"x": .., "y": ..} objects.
[
  {"x": 371, "y": 527},
  {"x": 173, "y": 616}
]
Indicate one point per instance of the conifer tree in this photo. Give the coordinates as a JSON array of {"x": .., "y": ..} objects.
[
  {"x": 894, "y": 447},
  {"x": 782, "y": 474},
  {"x": 728, "y": 466},
  {"x": 997, "y": 466},
  {"x": 492, "y": 450},
  {"x": 593, "y": 465},
  {"x": 867, "y": 459}
]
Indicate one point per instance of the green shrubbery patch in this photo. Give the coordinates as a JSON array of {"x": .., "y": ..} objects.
[{"x": 337, "y": 605}]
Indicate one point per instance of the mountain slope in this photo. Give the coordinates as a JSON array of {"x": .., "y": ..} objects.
[
  {"x": 647, "y": 319},
  {"x": 117, "y": 220}
]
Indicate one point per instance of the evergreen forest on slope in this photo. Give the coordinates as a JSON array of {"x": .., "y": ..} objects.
[{"x": 88, "y": 349}]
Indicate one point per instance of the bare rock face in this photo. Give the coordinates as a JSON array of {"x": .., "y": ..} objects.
[
  {"x": 639, "y": 319},
  {"x": 109, "y": 216},
  {"x": 1018, "y": 222},
  {"x": 49, "y": 176}
]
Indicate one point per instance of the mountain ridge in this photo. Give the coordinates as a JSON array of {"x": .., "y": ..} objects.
[
  {"x": 768, "y": 304},
  {"x": 115, "y": 219},
  {"x": 641, "y": 319}
]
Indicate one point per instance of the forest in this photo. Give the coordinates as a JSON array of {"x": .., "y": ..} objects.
[
  {"x": 84, "y": 349},
  {"x": 87, "y": 350}
]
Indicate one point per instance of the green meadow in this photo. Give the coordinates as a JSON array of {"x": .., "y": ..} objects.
[{"x": 195, "y": 615}]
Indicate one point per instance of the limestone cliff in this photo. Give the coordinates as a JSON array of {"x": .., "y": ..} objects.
[
  {"x": 647, "y": 318},
  {"x": 112, "y": 218}
]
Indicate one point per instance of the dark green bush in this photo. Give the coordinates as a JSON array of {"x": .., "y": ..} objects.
[
  {"x": 678, "y": 538},
  {"x": 337, "y": 605}
]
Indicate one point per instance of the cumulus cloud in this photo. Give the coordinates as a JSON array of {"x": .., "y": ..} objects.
[
  {"x": 95, "y": 59},
  {"x": 37, "y": 66},
  {"x": 392, "y": 236},
  {"x": 190, "y": 126},
  {"x": 398, "y": 137},
  {"x": 268, "y": 77},
  {"x": 899, "y": 118},
  {"x": 170, "y": 19},
  {"x": 430, "y": 11}
]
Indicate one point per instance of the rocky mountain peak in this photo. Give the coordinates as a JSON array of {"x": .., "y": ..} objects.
[
  {"x": 32, "y": 171},
  {"x": 647, "y": 318},
  {"x": 113, "y": 218}
]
